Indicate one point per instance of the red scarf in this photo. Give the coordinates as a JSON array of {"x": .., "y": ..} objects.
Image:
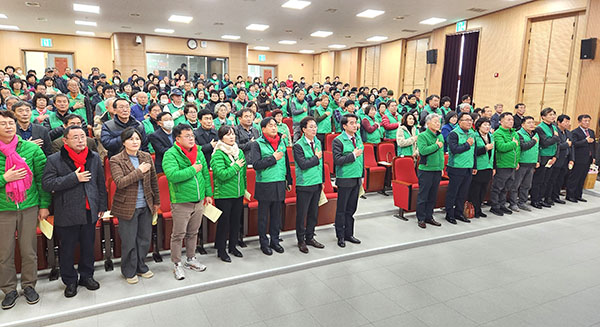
[
  {"x": 191, "y": 155},
  {"x": 273, "y": 140},
  {"x": 79, "y": 160}
]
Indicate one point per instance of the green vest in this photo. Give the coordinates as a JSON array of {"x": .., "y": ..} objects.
[
  {"x": 531, "y": 155},
  {"x": 275, "y": 173},
  {"x": 304, "y": 105},
  {"x": 465, "y": 159},
  {"x": 102, "y": 106},
  {"x": 407, "y": 151},
  {"x": 218, "y": 124},
  {"x": 54, "y": 120},
  {"x": 312, "y": 175},
  {"x": 238, "y": 105},
  {"x": 355, "y": 168},
  {"x": 375, "y": 136},
  {"x": 283, "y": 106},
  {"x": 173, "y": 109},
  {"x": 486, "y": 160},
  {"x": 324, "y": 126},
  {"x": 284, "y": 131},
  {"x": 215, "y": 83},
  {"x": 391, "y": 134},
  {"x": 549, "y": 151},
  {"x": 72, "y": 101}
]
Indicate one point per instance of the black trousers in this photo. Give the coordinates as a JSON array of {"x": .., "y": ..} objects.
[
  {"x": 429, "y": 183},
  {"x": 541, "y": 189},
  {"x": 577, "y": 178},
  {"x": 269, "y": 211},
  {"x": 69, "y": 236},
  {"x": 478, "y": 188},
  {"x": 307, "y": 210},
  {"x": 557, "y": 180},
  {"x": 228, "y": 225},
  {"x": 344, "y": 213},
  {"x": 458, "y": 187}
]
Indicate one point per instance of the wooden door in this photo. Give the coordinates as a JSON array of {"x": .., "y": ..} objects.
[
  {"x": 61, "y": 64},
  {"x": 267, "y": 73}
]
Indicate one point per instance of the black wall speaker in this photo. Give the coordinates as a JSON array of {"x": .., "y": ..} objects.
[
  {"x": 432, "y": 56},
  {"x": 588, "y": 48}
]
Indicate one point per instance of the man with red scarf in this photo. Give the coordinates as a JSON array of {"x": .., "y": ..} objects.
[
  {"x": 273, "y": 179},
  {"x": 75, "y": 177},
  {"x": 22, "y": 200}
]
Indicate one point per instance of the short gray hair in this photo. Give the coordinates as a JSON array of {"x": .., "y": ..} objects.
[
  {"x": 464, "y": 105},
  {"x": 219, "y": 105},
  {"x": 430, "y": 117}
]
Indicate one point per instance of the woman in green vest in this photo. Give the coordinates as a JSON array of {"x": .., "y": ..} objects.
[
  {"x": 406, "y": 137},
  {"x": 40, "y": 110},
  {"x": 282, "y": 128},
  {"x": 323, "y": 117},
  {"x": 222, "y": 113},
  {"x": 229, "y": 174},
  {"x": 370, "y": 131},
  {"x": 391, "y": 121},
  {"x": 151, "y": 124},
  {"x": 281, "y": 103},
  {"x": 201, "y": 101},
  {"x": 485, "y": 165}
]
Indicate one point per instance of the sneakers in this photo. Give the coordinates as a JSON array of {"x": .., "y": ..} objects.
[
  {"x": 147, "y": 274},
  {"x": 178, "y": 271},
  {"x": 193, "y": 264},
  {"x": 31, "y": 295},
  {"x": 133, "y": 280},
  {"x": 514, "y": 208},
  {"x": 9, "y": 300}
]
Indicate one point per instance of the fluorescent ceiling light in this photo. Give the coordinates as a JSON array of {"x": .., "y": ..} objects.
[
  {"x": 296, "y": 4},
  {"x": 370, "y": 13},
  {"x": 257, "y": 27},
  {"x": 85, "y": 23},
  {"x": 321, "y": 34},
  {"x": 377, "y": 38},
  {"x": 3, "y": 16},
  {"x": 262, "y": 48},
  {"x": 337, "y": 46},
  {"x": 9, "y": 27},
  {"x": 307, "y": 51},
  {"x": 287, "y": 42},
  {"x": 230, "y": 37},
  {"x": 164, "y": 30},
  {"x": 432, "y": 21},
  {"x": 180, "y": 19},
  {"x": 86, "y": 8},
  {"x": 85, "y": 33}
]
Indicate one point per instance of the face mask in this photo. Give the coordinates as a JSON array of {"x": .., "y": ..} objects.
[
  {"x": 191, "y": 99},
  {"x": 168, "y": 125},
  {"x": 6, "y": 78},
  {"x": 164, "y": 101},
  {"x": 162, "y": 85},
  {"x": 263, "y": 94},
  {"x": 375, "y": 93},
  {"x": 19, "y": 72}
]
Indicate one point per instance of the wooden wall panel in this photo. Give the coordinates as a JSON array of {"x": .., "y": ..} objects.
[
  {"x": 574, "y": 74},
  {"x": 408, "y": 79},
  {"x": 390, "y": 67},
  {"x": 299, "y": 65},
  {"x": 537, "y": 59},
  {"x": 588, "y": 97}
]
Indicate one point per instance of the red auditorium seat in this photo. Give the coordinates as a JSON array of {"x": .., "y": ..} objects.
[
  {"x": 289, "y": 210},
  {"x": 165, "y": 208},
  {"x": 445, "y": 172},
  {"x": 329, "y": 140},
  {"x": 375, "y": 174},
  {"x": 251, "y": 219},
  {"x": 290, "y": 154},
  {"x": 327, "y": 211},
  {"x": 290, "y": 124},
  {"x": 386, "y": 152}
]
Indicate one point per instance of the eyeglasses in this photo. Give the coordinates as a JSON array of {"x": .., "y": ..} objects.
[
  {"x": 4, "y": 124},
  {"x": 189, "y": 137}
]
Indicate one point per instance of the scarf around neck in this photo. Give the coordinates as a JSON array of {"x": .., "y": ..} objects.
[
  {"x": 232, "y": 151},
  {"x": 16, "y": 190},
  {"x": 192, "y": 154},
  {"x": 274, "y": 141},
  {"x": 79, "y": 159}
]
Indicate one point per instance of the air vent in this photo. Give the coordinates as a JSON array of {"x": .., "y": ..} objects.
[
  {"x": 331, "y": 10},
  {"x": 126, "y": 27},
  {"x": 348, "y": 36},
  {"x": 198, "y": 33},
  {"x": 408, "y": 31},
  {"x": 42, "y": 19},
  {"x": 219, "y": 24},
  {"x": 400, "y": 17},
  {"x": 32, "y": 4},
  {"x": 476, "y": 9},
  {"x": 288, "y": 31},
  {"x": 134, "y": 15}
]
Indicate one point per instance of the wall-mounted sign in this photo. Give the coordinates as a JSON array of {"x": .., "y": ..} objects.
[
  {"x": 461, "y": 26},
  {"x": 46, "y": 43},
  {"x": 262, "y": 58}
]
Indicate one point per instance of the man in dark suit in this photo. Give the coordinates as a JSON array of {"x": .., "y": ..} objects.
[
  {"x": 206, "y": 135},
  {"x": 29, "y": 131},
  {"x": 584, "y": 146},
  {"x": 162, "y": 139},
  {"x": 245, "y": 133},
  {"x": 564, "y": 159},
  {"x": 348, "y": 160}
]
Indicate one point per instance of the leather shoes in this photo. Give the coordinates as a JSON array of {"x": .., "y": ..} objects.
[
  {"x": 236, "y": 253},
  {"x": 544, "y": 204},
  {"x": 422, "y": 224},
  {"x": 482, "y": 215},
  {"x": 433, "y": 222},
  {"x": 89, "y": 283},
  {"x": 224, "y": 257},
  {"x": 278, "y": 248},
  {"x": 352, "y": 239},
  {"x": 302, "y": 247},
  {"x": 312, "y": 242},
  {"x": 506, "y": 210},
  {"x": 559, "y": 201},
  {"x": 71, "y": 290},
  {"x": 582, "y": 200},
  {"x": 266, "y": 250},
  {"x": 463, "y": 219},
  {"x": 451, "y": 220},
  {"x": 497, "y": 212},
  {"x": 341, "y": 243},
  {"x": 571, "y": 200}
]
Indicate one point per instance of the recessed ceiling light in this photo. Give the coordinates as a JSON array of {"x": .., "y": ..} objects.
[
  {"x": 85, "y": 23},
  {"x": 180, "y": 19},
  {"x": 307, "y": 51},
  {"x": 3, "y": 16},
  {"x": 321, "y": 34},
  {"x": 164, "y": 30},
  {"x": 370, "y": 13},
  {"x": 432, "y": 21},
  {"x": 86, "y": 8},
  {"x": 287, "y": 42},
  {"x": 257, "y": 27},
  {"x": 85, "y": 33},
  {"x": 262, "y": 48},
  {"x": 9, "y": 27},
  {"x": 377, "y": 38},
  {"x": 336, "y": 46},
  {"x": 296, "y": 4},
  {"x": 230, "y": 37}
]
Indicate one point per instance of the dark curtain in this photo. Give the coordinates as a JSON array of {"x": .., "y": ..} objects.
[
  {"x": 467, "y": 76},
  {"x": 451, "y": 63}
]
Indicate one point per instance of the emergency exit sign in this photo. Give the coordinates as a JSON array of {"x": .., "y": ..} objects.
[
  {"x": 46, "y": 43},
  {"x": 461, "y": 26},
  {"x": 262, "y": 58}
]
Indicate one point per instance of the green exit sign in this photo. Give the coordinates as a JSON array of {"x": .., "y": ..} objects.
[
  {"x": 461, "y": 26},
  {"x": 46, "y": 43},
  {"x": 262, "y": 58}
]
